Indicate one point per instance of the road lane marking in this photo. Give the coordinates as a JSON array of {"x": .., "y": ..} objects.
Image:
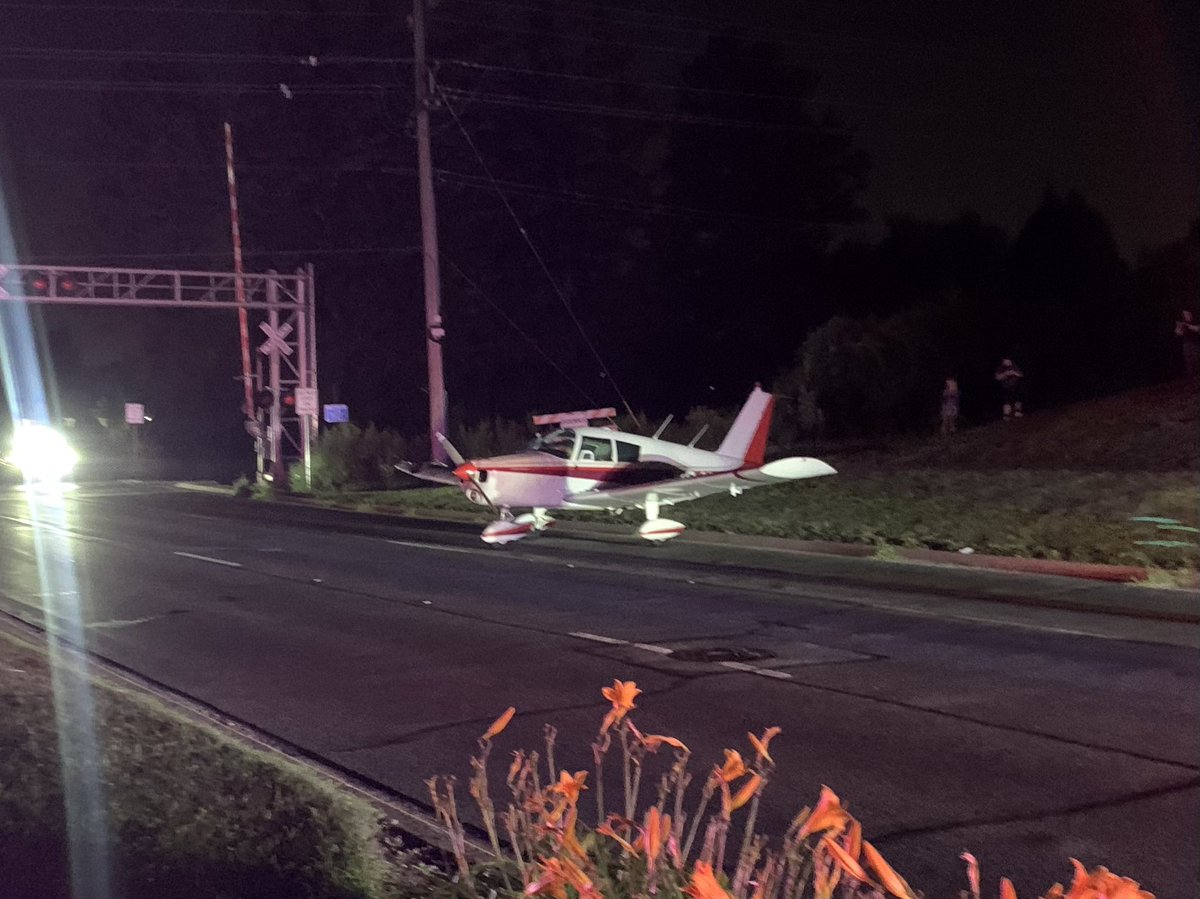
[
  {"x": 650, "y": 647},
  {"x": 224, "y": 562},
  {"x": 598, "y": 638},
  {"x": 120, "y": 622},
  {"x": 412, "y": 544},
  {"x": 738, "y": 666},
  {"x": 771, "y": 672}
]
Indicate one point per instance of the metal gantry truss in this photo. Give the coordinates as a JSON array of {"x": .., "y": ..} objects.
[{"x": 271, "y": 299}]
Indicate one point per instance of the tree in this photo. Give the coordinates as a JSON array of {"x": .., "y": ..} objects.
[
  {"x": 1071, "y": 321},
  {"x": 781, "y": 177}
]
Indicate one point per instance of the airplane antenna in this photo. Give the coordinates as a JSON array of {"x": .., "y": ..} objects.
[
  {"x": 662, "y": 427},
  {"x": 699, "y": 434}
]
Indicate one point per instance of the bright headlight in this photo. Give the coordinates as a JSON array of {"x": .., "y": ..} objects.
[{"x": 41, "y": 452}]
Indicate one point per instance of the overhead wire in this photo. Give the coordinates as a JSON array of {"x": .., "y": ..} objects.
[
  {"x": 512, "y": 324},
  {"x": 623, "y": 112},
  {"x": 536, "y": 254}
]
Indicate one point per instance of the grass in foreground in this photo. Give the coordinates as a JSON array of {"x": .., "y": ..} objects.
[{"x": 191, "y": 813}]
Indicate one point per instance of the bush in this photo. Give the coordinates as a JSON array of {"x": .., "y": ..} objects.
[{"x": 347, "y": 457}]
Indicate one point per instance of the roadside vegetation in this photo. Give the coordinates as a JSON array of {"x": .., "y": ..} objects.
[
  {"x": 1058, "y": 484},
  {"x": 191, "y": 813},
  {"x": 655, "y": 837}
]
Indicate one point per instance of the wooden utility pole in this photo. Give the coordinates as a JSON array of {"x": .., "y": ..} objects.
[{"x": 434, "y": 332}]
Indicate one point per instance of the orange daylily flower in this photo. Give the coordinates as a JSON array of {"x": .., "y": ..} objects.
[
  {"x": 704, "y": 884},
  {"x": 606, "y": 829},
  {"x": 499, "y": 724},
  {"x": 1099, "y": 883},
  {"x": 749, "y": 788},
  {"x": 558, "y": 874},
  {"x": 621, "y": 694},
  {"x": 733, "y": 768},
  {"x": 656, "y": 828},
  {"x": 892, "y": 882},
  {"x": 653, "y": 741},
  {"x": 852, "y": 840},
  {"x": 569, "y": 785},
  {"x": 972, "y": 872},
  {"x": 762, "y": 744},
  {"x": 842, "y": 858},
  {"x": 1007, "y": 890},
  {"x": 828, "y": 815},
  {"x": 570, "y": 841}
]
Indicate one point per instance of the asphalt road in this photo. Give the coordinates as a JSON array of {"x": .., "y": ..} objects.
[{"x": 944, "y": 720}]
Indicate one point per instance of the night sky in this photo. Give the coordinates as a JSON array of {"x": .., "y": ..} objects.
[{"x": 110, "y": 153}]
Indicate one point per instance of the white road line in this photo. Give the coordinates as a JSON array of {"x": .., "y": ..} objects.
[
  {"x": 597, "y": 638},
  {"x": 739, "y": 666},
  {"x": 227, "y": 564},
  {"x": 650, "y": 647},
  {"x": 412, "y": 544},
  {"x": 120, "y": 622},
  {"x": 771, "y": 672}
]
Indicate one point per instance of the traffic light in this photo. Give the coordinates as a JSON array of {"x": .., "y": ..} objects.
[
  {"x": 68, "y": 285},
  {"x": 289, "y": 400},
  {"x": 37, "y": 284}
]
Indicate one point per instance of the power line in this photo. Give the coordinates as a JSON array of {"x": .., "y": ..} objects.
[
  {"x": 98, "y": 55},
  {"x": 662, "y": 85},
  {"x": 533, "y": 343},
  {"x": 536, "y": 254},
  {"x": 52, "y": 259},
  {"x": 461, "y": 179},
  {"x": 57, "y": 10},
  {"x": 622, "y": 112},
  {"x": 716, "y": 28},
  {"x": 194, "y": 87}
]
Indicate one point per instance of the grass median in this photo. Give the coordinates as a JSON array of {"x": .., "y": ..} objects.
[
  {"x": 1060, "y": 514},
  {"x": 191, "y": 813}
]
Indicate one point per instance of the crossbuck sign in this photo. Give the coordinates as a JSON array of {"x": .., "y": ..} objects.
[{"x": 276, "y": 341}]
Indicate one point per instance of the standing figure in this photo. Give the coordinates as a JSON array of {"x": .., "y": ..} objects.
[
  {"x": 1010, "y": 378},
  {"x": 950, "y": 406},
  {"x": 1188, "y": 333}
]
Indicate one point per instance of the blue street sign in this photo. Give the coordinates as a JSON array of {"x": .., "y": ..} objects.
[{"x": 336, "y": 413}]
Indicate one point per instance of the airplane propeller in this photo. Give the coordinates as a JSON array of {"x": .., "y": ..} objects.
[{"x": 465, "y": 470}]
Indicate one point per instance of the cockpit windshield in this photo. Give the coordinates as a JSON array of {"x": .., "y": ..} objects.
[{"x": 556, "y": 443}]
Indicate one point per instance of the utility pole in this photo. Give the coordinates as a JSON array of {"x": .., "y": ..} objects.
[{"x": 434, "y": 332}]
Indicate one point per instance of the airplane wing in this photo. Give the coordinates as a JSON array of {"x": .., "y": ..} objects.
[{"x": 683, "y": 489}]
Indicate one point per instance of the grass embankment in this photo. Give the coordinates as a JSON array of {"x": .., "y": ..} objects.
[
  {"x": 1060, "y": 484},
  {"x": 191, "y": 813}
]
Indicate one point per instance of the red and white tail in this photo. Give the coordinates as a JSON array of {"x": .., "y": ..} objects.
[{"x": 747, "y": 439}]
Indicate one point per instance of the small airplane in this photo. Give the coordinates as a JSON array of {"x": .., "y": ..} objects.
[{"x": 602, "y": 468}]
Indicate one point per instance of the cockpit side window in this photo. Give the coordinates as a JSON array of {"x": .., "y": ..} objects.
[
  {"x": 595, "y": 449},
  {"x": 556, "y": 443},
  {"x": 627, "y": 452}
]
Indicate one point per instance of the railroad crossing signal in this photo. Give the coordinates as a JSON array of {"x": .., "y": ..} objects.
[{"x": 276, "y": 341}]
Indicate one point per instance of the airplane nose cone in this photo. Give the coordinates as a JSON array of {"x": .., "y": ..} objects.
[{"x": 466, "y": 471}]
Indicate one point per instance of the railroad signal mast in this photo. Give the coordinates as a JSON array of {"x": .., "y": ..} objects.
[{"x": 282, "y": 305}]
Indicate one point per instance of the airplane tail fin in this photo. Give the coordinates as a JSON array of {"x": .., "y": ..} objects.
[{"x": 747, "y": 439}]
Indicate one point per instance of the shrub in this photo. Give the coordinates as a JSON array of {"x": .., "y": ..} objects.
[{"x": 347, "y": 457}]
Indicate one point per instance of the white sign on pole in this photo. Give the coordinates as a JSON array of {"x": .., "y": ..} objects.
[
  {"x": 135, "y": 414},
  {"x": 306, "y": 401},
  {"x": 276, "y": 341}
]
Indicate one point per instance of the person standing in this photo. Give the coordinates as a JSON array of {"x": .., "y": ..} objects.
[
  {"x": 1010, "y": 378},
  {"x": 1188, "y": 333},
  {"x": 950, "y": 399}
]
